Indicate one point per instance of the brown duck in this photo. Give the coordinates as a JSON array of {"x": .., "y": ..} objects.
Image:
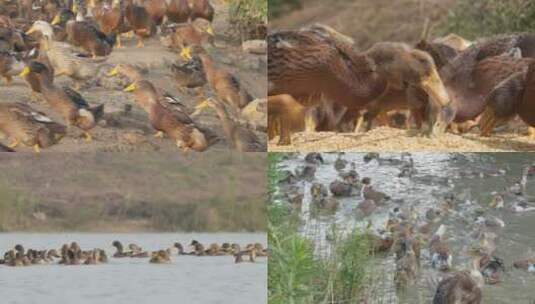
[
  {"x": 178, "y": 11},
  {"x": 240, "y": 137},
  {"x": 9, "y": 66},
  {"x": 319, "y": 57},
  {"x": 201, "y": 9},
  {"x": 110, "y": 19},
  {"x": 140, "y": 21},
  {"x": 173, "y": 122},
  {"x": 66, "y": 102},
  {"x": 23, "y": 124},
  {"x": 189, "y": 35}
]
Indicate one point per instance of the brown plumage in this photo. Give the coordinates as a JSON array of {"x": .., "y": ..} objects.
[
  {"x": 189, "y": 74},
  {"x": 238, "y": 136},
  {"x": 287, "y": 116},
  {"x": 67, "y": 102},
  {"x": 178, "y": 11},
  {"x": 9, "y": 66},
  {"x": 32, "y": 76},
  {"x": 23, "y": 124},
  {"x": 463, "y": 287},
  {"x": 201, "y": 9},
  {"x": 224, "y": 84},
  {"x": 513, "y": 96},
  {"x": 322, "y": 59},
  {"x": 173, "y": 122},
  {"x": 110, "y": 19},
  {"x": 89, "y": 38},
  {"x": 156, "y": 9},
  {"x": 140, "y": 21},
  {"x": 191, "y": 34}
]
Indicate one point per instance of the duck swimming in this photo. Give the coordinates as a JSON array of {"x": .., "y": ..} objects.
[{"x": 463, "y": 287}]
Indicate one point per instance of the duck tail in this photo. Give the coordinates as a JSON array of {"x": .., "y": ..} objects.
[{"x": 97, "y": 111}]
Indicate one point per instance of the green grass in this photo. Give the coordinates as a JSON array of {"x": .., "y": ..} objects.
[
  {"x": 247, "y": 15},
  {"x": 474, "y": 19}
]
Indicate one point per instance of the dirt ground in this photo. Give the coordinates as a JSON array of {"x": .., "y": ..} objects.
[
  {"x": 132, "y": 132},
  {"x": 394, "y": 140}
]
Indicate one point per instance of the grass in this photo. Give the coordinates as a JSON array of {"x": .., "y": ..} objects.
[
  {"x": 133, "y": 192},
  {"x": 473, "y": 19},
  {"x": 247, "y": 16},
  {"x": 295, "y": 274}
]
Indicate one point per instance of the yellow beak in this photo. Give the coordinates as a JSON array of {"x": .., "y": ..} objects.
[
  {"x": 113, "y": 72},
  {"x": 31, "y": 30},
  {"x": 24, "y": 72},
  {"x": 56, "y": 20},
  {"x": 130, "y": 88},
  {"x": 200, "y": 107},
  {"x": 210, "y": 30},
  {"x": 186, "y": 53}
]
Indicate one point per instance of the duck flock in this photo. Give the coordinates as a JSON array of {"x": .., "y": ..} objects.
[
  {"x": 72, "y": 254},
  {"x": 319, "y": 80},
  {"x": 43, "y": 40},
  {"x": 419, "y": 238}
]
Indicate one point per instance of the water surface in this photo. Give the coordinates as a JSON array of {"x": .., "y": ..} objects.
[{"x": 187, "y": 279}]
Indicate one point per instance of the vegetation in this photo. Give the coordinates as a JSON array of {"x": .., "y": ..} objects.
[
  {"x": 296, "y": 275},
  {"x": 279, "y": 7},
  {"x": 479, "y": 18},
  {"x": 249, "y": 17},
  {"x": 133, "y": 192}
]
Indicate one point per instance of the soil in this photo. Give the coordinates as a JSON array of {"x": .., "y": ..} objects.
[{"x": 130, "y": 130}]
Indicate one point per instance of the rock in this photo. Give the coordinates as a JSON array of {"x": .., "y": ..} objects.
[
  {"x": 258, "y": 47},
  {"x": 255, "y": 113}
]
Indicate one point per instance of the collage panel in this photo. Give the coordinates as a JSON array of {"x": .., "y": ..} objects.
[
  {"x": 401, "y": 76},
  {"x": 133, "y": 228},
  {"x": 401, "y": 228},
  {"x": 133, "y": 75}
]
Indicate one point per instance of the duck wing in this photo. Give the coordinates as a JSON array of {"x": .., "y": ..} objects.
[{"x": 76, "y": 98}]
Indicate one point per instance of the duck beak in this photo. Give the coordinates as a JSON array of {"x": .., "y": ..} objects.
[
  {"x": 113, "y": 72},
  {"x": 24, "y": 72},
  {"x": 210, "y": 30},
  {"x": 186, "y": 53},
  {"x": 439, "y": 101},
  {"x": 56, "y": 20},
  {"x": 130, "y": 88},
  {"x": 31, "y": 30}
]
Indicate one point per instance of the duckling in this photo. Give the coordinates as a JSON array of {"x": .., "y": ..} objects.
[
  {"x": 367, "y": 192},
  {"x": 241, "y": 138},
  {"x": 120, "y": 253},
  {"x": 140, "y": 21},
  {"x": 175, "y": 123},
  {"x": 463, "y": 287},
  {"x": 160, "y": 257},
  {"x": 178, "y": 11},
  {"x": 9, "y": 66},
  {"x": 23, "y": 124},
  {"x": 201, "y": 9},
  {"x": 67, "y": 102}
]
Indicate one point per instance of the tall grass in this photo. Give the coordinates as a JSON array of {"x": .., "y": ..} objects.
[
  {"x": 248, "y": 17},
  {"x": 478, "y": 18},
  {"x": 296, "y": 275}
]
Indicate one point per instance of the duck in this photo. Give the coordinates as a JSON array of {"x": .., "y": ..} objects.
[
  {"x": 156, "y": 9},
  {"x": 13, "y": 259},
  {"x": 188, "y": 74},
  {"x": 224, "y": 84},
  {"x": 367, "y": 192},
  {"x": 201, "y": 9},
  {"x": 175, "y": 123},
  {"x": 511, "y": 98},
  {"x": 126, "y": 70},
  {"x": 160, "y": 257},
  {"x": 441, "y": 257},
  {"x": 238, "y": 254},
  {"x": 120, "y": 253},
  {"x": 180, "y": 249},
  {"x": 240, "y": 138},
  {"x": 340, "y": 188},
  {"x": 86, "y": 35},
  {"x": 93, "y": 258},
  {"x": 525, "y": 264},
  {"x": 140, "y": 21},
  {"x": 491, "y": 268},
  {"x": 66, "y": 101},
  {"x": 463, "y": 287},
  {"x": 178, "y": 11},
  {"x": 186, "y": 36},
  {"x": 10, "y": 66},
  {"x": 314, "y": 158},
  {"x": 367, "y": 207},
  {"x": 110, "y": 19},
  {"x": 137, "y": 252},
  {"x": 288, "y": 116},
  {"x": 347, "y": 77},
  {"x": 340, "y": 163},
  {"x": 32, "y": 78},
  {"x": 23, "y": 124}
]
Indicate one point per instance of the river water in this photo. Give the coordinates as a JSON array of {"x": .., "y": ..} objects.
[
  {"x": 471, "y": 178},
  {"x": 187, "y": 279}
]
